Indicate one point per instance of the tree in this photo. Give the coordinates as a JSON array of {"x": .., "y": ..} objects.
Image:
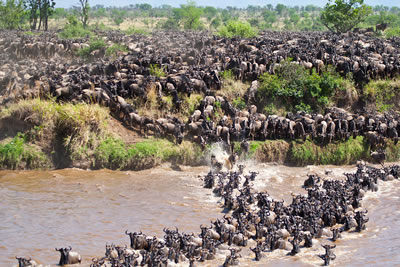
[
  {"x": 280, "y": 8},
  {"x": 191, "y": 16},
  {"x": 12, "y": 14},
  {"x": 344, "y": 15},
  {"x": 118, "y": 16},
  {"x": 215, "y": 22},
  {"x": 33, "y": 6},
  {"x": 46, "y": 9},
  {"x": 39, "y": 9},
  {"x": 84, "y": 12},
  {"x": 210, "y": 12},
  {"x": 269, "y": 16}
]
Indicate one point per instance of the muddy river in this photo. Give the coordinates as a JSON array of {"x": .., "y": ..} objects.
[{"x": 41, "y": 210}]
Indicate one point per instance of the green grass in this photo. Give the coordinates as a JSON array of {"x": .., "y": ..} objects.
[
  {"x": 392, "y": 32},
  {"x": 112, "y": 153},
  {"x": 299, "y": 153},
  {"x": 342, "y": 153},
  {"x": 157, "y": 70},
  {"x": 383, "y": 93},
  {"x": 17, "y": 154}
]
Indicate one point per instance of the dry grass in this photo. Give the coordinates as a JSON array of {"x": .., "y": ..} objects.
[
  {"x": 272, "y": 151},
  {"x": 138, "y": 23},
  {"x": 233, "y": 89},
  {"x": 78, "y": 127}
]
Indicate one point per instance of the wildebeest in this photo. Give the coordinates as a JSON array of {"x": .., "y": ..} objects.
[{"x": 68, "y": 256}]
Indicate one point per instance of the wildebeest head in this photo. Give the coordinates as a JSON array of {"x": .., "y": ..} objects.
[{"x": 22, "y": 262}]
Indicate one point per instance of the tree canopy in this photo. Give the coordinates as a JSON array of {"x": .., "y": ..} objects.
[
  {"x": 12, "y": 14},
  {"x": 344, "y": 15}
]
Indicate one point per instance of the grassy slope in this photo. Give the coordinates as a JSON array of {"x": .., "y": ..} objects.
[{"x": 52, "y": 135}]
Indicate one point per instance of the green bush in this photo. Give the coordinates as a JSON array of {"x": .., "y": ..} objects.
[
  {"x": 94, "y": 44},
  {"x": 74, "y": 29},
  {"x": 157, "y": 71},
  {"x": 227, "y": 75},
  {"x": 17, "y": 152},
  {"x": 236, "y": 28},
  {"x": 297, "y": 88},
  {"x": 114, "y": 154},
  {"x": 115, "y": 49},
  {"x": 392, "y": 32},
  {"x": 239, "y": 103}
]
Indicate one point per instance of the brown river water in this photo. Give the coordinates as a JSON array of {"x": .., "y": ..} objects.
[{"x": 41, "y": 210}]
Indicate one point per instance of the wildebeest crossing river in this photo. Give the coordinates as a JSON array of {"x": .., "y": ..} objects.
[{"x": 41, "y": 210}]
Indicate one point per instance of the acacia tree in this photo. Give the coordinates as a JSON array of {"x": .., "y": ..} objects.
[
  {"x": 84, "y": 12},
  {"x": 344, "y": 15},
  {"x": 190, "y": 15}
]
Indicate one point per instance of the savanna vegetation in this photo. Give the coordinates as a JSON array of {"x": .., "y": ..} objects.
[{"x": 338, "y": 16}]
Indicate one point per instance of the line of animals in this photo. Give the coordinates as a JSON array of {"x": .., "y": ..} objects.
[
  {"x": 193, "y": 63},
  {"x": 329, "y": 208}
]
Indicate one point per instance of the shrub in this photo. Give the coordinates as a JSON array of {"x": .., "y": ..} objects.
[
  {"x": 239, "y": 103},
  {"x": 392, "y": 32},
  {"x": 115, "y": 49},
  {"x": 227, "y": 75},
  {"x": 157, "y": 71},
  {"x": 17, "y": 152},
  {"x": 94, "y": 44},
  {"x": 236, "y": 28},
  {"x": 297, "y": 88},
  {"x": 74, "y": 29}
]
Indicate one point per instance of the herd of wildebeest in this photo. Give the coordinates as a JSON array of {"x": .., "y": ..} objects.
[
  {"x": 192, "y": 62},
  {"x": 32, "y": 66},
  {"x": 329, "y": 208}
]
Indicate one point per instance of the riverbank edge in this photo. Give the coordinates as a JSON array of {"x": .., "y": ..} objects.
[
  {"x": 20, "y": 152},
  {"x": 44, "y": 134}
]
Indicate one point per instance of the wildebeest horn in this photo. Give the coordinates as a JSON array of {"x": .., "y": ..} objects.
[
  {"x": 70, "y": 248},
  {"x": 57, "y": 249},
  {"x": 140, "y": 233},
  {"x": 176, "y": 229},
  {"x": 164, "y": 230},
  {"x": 126, "y": 232}
]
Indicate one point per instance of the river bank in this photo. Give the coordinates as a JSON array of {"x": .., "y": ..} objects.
[{"x": 43, "y": 134}]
